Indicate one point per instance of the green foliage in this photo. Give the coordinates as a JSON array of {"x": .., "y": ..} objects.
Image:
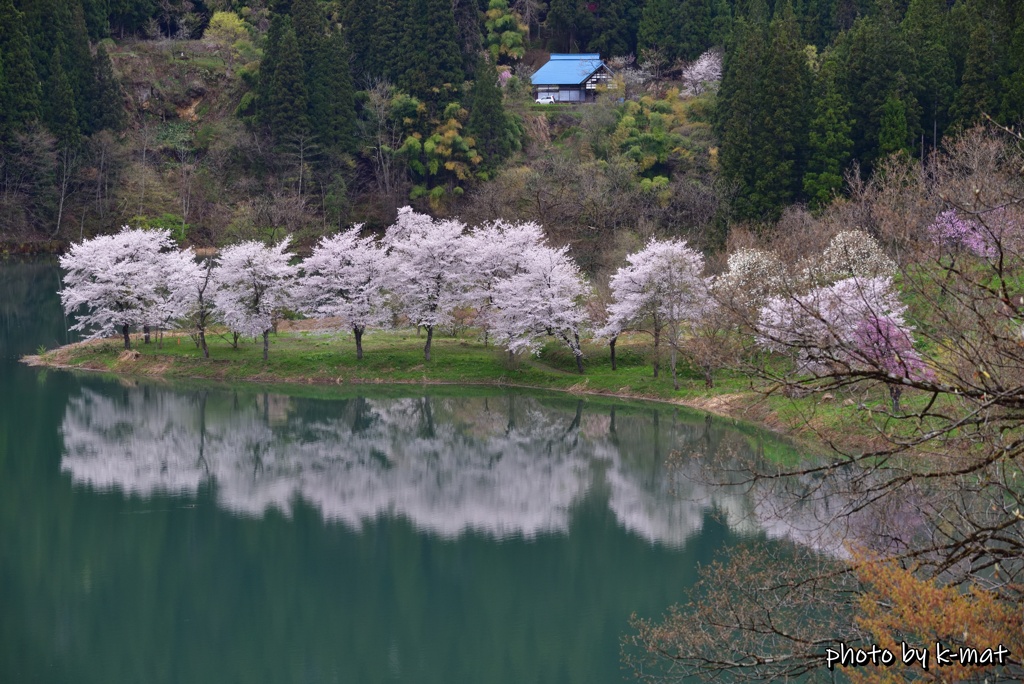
[
  {"x": 829, "y": 142},
  {"x": 679, "y": 29},
  {"x": 59, "y": 113},
  {"x": 331, "y": 103},
  {"x": 166, "y": 221},
  {"x": 284, "y": 111},
  {"x": 496, "y": 133},
  {"x": 505, "y": 38},
  {"x": 429, "y": 63},
  {"x": 20, "y": 101},
  {"x": 107, "y": 101}
]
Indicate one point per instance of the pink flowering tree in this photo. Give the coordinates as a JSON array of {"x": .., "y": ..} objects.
[
  {"x": 852, "y": 329},
  {"x": 703, "y": 74},
  {"x": 193, "y": 286},
  {"x": 111, "y": 282},
  {"x": 659, "y": 291},
  {"x": 345, "y": 277},
  {"x": 493, "y": 253},
  {"x": 425, "y": 269},
  {"x": 253, "y": 284},
  {"x": 956, "y": 233},
  {"x": 545, "y": 298}
]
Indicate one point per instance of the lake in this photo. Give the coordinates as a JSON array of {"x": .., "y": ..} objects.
[{"x": 175, "y": 533}]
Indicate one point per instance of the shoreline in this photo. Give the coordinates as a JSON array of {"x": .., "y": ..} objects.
[{"x": 748, "y": 407}]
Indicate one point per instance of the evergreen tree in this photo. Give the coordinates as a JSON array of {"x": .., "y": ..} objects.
[
  {"x": 615, "y": 27},
  {"x": 21, "y": 92},
  {"x": 430, "y": 56},
  {"x": 78, "y": 65},
  {"x": 360, "y": 29},
  {"x": 396, "y": 20},
  {"x": 979, "y": 89},
  {"x": 310, "y": 26},
  {"x": 740, "y": 109},
  {"x": 488, "y": 121},
  {"x": 828, "y": 141},
  {"x": 284, "y": 112},
  {"x": 926, "y": 33},
  {"x": 566, "y": 22},
  {"x": 271, "y": 56},
  {"x": 878, "y": 63},
  {"x": 59, "y": 113},
  {"x": 331, "y": 103},
  {"x": 659, "y": 23},
  {"x": 783, "y": 140},
  {"x": 108, "y": 103},
  {"x": 1013, "y": 84},
  {"x": 893, "y": 134}
]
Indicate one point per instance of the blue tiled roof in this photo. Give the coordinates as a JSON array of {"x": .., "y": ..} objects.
[{"x": 567, "y": 69}]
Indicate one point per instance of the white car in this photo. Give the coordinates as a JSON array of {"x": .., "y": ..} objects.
[{"x": 545, "y": 99}]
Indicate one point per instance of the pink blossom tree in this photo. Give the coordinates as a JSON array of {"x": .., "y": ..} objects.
[
  {"x": 425, "y": 269},
  {"x": 853, "y": 328},
  {"x": 193, "y": 285},
  {"x": 345, "y": 277},
  {"x": 493, "y": 253},
  {"x": 545, "y": 298},
  {"x": 252, "y": 285},
  {"x": 703, "y": 74},
  {"x": 659, "y": 291},
  {"x": 112, "y": 281}
]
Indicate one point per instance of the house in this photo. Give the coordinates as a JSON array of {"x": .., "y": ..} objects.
[{"x": 571, "y": 78}]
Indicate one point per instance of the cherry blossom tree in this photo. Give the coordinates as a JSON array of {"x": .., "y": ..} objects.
[
  {"x": 252, "y": 285},
  {"x": 193, "y": 283},
  {"x": 545, "y": 298},
  {"x": 492, "y": 253},
  {"x": 703, "y": 74},
  {"x": 345, "y": 277},
  {"x": 850, "y": 253},
  {"x": 853, "y": 326},
  {"x": 114, "y": 279},
  {"x": 659, "y": 291},
  {"x": 425, "y": 269}
]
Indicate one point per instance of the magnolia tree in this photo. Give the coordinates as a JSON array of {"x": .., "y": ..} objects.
[
  {"x": 545, "y": 298},
  {"x": 194, "y": 286},
  {"x": 493, "y": 253},
  {"x": 253, "y": 284},
  {"x": 659, "y": 291},
  {"x": 116, "y": 280},
  {"x": 850, "y": 253},
  {"x": 345, "y": 277},
  {"x": 425, "y": 269}
]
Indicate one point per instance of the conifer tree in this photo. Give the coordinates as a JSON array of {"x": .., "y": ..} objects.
[
  {"x": 925, "y": 31},
  {"x": 310, "y": 26},
  {"x": 828, "y": 140},
  {"x": 878, "y": 63},
  {"x": 360, "y": 29},
  {"x": 979, "y": 87},
  {"x": 432, "y": 62},
  {"x": 488, "y": 121},
  {"x": 59, "y": 113},
  {"x": 285, "y": 111},
  {"x": 391, "y": 37},
  {"x": 108, "y": 106},
  {"x": 331, "y": 102},
  {"x": 893, "y": 134},
  {"x": 616, "y": 27},
  {"x": 78, "y": 65},
  {"x": 21, "y": 91},
  {"x": 659, "y": 23}
]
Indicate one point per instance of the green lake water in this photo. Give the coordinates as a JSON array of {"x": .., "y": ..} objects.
[{"x": 154, "y": 534}]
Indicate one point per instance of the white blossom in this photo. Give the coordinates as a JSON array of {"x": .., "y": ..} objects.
[
  {"x": 703, "y": 74},
  {"x": 114, "y": 280},
  {"x": 252, "y": 286},
  {"x": 345, "y": 277},
  {"x": 851, "y": 253},
  {"x": 544, "y": 298}
]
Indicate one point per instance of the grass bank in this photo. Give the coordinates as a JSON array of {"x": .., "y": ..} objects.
[{"x": 315, "y": 357}]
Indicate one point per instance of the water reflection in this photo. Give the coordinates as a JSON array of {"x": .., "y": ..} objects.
[{"x": 505, "y": 465}]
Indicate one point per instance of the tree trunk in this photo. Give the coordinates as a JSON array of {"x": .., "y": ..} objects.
[
  {"x": 709, "y": 378},
  {"x": 145, "y": 334},
  {"x": 578, "y": 353},
  {"x": 202, "y": 342},
  {"x": 358, "y": 330},
  {"x": 675, "y": 379},
  {"x": 657, "y": 355},
  {"x": 127, "y": 338},
  {"x": 895, "y": 391},
  {"x": 266, "y": 343},
  {"x": 426, "y": 347},
  {"x": 611, "y": 345}
]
